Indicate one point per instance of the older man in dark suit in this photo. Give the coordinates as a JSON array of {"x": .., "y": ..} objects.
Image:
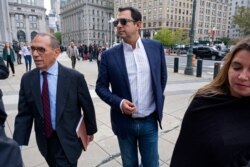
[
  {"x": 136, "y": 72},
  {"x": 52, "y": 96}
]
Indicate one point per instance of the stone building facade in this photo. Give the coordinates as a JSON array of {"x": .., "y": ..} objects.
[
  {"x": 212, "y": 20},
  {"x": 5, "y": 29},
  {"x": 234, "y": 31},
  {"x": 86, "y": 21},
  {"x": 27, "y": 18},
  {"x": 211, "y": 15},
  {"x": 157, "y": 14}
]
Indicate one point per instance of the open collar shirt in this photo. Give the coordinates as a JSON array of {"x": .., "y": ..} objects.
[{"x": 139, "y": 76}]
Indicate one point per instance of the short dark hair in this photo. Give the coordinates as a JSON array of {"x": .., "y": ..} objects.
[
  {"x": 53, "y": 40},
  {"x": 135, "y": 14}
]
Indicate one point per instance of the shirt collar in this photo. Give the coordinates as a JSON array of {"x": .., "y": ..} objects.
[
  {"x": 53, "y": 70},
  {"x": 128, "y": 47}
]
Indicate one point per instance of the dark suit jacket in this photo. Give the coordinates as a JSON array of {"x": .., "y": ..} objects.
[
  {"x": 4, "y": 73},
  {"x": 113, "y": 72},
  {"x": 10, "y": 152},
  {"x": 72, "y": 95}
]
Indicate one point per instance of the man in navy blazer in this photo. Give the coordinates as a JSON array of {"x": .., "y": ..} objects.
[
  {"x": 68, "y": 95},
  {"x": 136, "y": 72}
]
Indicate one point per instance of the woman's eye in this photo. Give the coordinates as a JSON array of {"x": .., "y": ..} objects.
[{"x": 236, "y": 68}]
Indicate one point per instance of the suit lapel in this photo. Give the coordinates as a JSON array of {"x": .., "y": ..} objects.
[
  {"x": 120, "y": 60},
  {"x": 63, "y": 83},
  {"x": 36, "y": 91},
  {"x": 150, "y": 52}
]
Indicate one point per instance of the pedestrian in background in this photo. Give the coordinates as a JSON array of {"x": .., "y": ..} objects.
[
  {"x": 90, "y": 52},
  {"x": 9, "y": 150},
  {"x": 73, "y": 53},
  {"x": 27, "y": 56},
  {"x": 18, "y": 51},
  {"x": 53, "y": 96},
  {"x": 80, "y": 50},
  {"x": 215, "y": 131},
  {"x": 85, "y": 48},
  {"x": 9, "y": 57},
  {"x": 136, "y": 72}
]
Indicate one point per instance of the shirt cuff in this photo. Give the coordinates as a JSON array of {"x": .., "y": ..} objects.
[{"x": 121, "y": 105}]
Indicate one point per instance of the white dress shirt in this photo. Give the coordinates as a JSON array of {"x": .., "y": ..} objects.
[{"x": 140, "y": 81}]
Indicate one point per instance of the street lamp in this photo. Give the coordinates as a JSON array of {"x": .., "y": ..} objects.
[{"x": 189, "y": 68}]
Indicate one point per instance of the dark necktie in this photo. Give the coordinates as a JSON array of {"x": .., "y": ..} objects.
[{"x": 46, "y": 106}]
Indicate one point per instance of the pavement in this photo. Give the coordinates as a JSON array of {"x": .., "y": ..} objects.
[{"x": 104, "y": 150}]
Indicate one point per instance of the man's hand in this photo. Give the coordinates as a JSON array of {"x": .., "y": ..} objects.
[{"x": 128, "y": 107}]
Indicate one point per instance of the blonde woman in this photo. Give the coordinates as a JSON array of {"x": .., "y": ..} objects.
[{"x": 215, "y": 130}]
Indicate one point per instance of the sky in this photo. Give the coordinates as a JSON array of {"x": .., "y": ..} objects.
[{"x": 47, "y": 5}]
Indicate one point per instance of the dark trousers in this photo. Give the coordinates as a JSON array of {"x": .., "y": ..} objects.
[
  {"x": 11, "y": 64},
  {"x": 56, "y": 156},
  {"x": 19, "y": 58},
  {"x": 73, "y": 61}
]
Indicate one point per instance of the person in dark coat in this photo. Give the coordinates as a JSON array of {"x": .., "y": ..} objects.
[
  {"x": 9, "y": 151},
  {"x": 215, "y": 131},
  {"x": 54, "y": 102},
  {"x": 18, "y": 52},
  {"x": 9, "y": 57}
]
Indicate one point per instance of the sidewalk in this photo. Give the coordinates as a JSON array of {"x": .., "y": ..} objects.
[{"x": 104, "y": 151}]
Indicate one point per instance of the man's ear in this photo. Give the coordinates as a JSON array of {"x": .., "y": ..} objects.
[
  {"x": 138, "y": 24},
  {"x": 57, "y": 50}
]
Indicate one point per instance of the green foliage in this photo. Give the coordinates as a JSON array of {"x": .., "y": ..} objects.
[
  {"x": 180, "y": 36},
  {"x": 58, "y": 36},
  {"x": 165, "y": 35},
  {"x": 241, "y": 19},
  {"x": 225, "y": 40},
  {"x": 170, "y": 37}
]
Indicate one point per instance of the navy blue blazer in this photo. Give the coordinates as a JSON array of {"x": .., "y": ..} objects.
[{"x": 113, "y": 73}]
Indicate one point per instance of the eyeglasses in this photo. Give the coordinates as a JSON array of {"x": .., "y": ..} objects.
[
  {"x": 123, "y": 22},
  {"x": 40, "y": 50}
]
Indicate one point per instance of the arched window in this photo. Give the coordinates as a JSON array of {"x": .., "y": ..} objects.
[
  {"x": 32, "y": 35},
  {"x": 21, "y": 36}
]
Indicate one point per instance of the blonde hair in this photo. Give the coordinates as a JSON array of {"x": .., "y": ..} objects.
[{"x": 220, "y": 85}]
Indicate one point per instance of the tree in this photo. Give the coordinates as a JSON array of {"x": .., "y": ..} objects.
[
  {"x": 58, "y": 36},
  {"x": 225, "y": 40},
  {"x": 180, "y": 37},
  {"x": 241, "y": 19},
  {"x": 165, "y": 35},
  {"x": 170, "y": 38}
]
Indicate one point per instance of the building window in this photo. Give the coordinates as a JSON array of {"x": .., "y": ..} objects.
[
  {"x": 33, "y": 25},
  {"x": 19, "y": 24},
  {"x": 33, "y": 18},
  {"x": 19, "y": 17}
]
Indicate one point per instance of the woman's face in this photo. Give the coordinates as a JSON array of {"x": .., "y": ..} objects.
[{"x": 239, "y": 74}]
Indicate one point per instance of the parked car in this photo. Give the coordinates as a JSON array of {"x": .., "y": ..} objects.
[
  {"x": 224, "y": 51},
  {"x": 206, "y": 52}
]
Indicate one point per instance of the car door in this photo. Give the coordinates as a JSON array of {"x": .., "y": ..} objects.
[{"x": 206, "y": 52}]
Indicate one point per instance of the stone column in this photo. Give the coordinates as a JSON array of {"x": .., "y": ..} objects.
[
  {"x": 27, "y": 28},
  {"x": 13, "y": 23}
]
